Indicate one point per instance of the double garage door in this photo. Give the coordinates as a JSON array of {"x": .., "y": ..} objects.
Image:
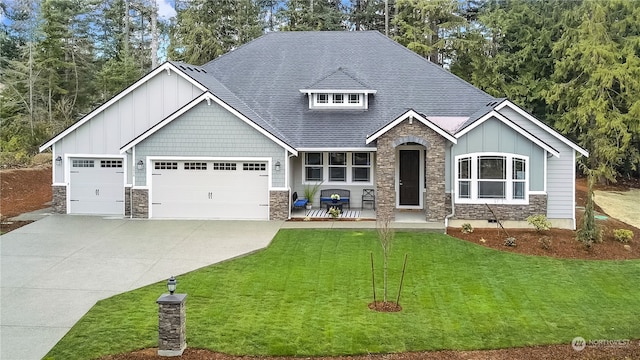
[
  {"x": 209, "y": 189},
  {"x": 96, "y": 186}
]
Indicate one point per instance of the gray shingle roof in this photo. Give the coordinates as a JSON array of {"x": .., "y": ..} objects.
[
  {"x": 339, "y": 79},
  {"x": 264, "y": 77}
]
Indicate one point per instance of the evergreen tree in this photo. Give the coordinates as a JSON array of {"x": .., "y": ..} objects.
[
  {"x": 596, "y": 86},
  {"x": 206, "y": 29},
  {"x": 369, "y": 14},
  {"x": 425, "y": 26},
  {"x": 313, "y": 15}
]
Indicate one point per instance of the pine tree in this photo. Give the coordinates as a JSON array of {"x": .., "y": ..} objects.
[
  {"x": 597, "y": 85},
  {"x": 313, "y": 15}
]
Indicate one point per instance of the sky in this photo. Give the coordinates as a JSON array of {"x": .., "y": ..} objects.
[{"x": 165, "y": 9}]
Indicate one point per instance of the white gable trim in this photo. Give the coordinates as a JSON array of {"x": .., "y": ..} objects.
[
  {"x": 512, "y": 125},
  {"x": 412, "y": 115},
  {"x": 167, "y": 66},
  {"x": 542, "y": 125},
  {"x": 208, "y": 97}
]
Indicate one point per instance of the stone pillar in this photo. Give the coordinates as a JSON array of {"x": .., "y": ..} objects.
[
  {"x": 279, "y": 205},
  {"x": 140, "y": 199},
  {"x": 59, "y": 199},
  {"x": 172, "y": 331}
]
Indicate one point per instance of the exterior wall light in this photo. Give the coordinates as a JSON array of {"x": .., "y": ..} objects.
[
  {"x": 277, "y": 165},
  {"x": 59, "y": 160},
  {"x": 140, "y": 165},
  {"x": 172, "y": 283}
]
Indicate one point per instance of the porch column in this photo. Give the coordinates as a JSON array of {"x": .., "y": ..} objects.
[{"x": 385, "y": 178}]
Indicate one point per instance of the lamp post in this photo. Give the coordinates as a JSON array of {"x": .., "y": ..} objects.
[
  {"x": 171, "y": 285},
  {"x": 172, "y": 315}
]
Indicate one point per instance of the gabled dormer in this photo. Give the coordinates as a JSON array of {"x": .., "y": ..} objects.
[{"x": 338, "y": 91}]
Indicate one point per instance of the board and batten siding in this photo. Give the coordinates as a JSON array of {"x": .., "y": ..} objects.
[
  {"x": 495, "y": 136},
  {"x": 560, "y": 171},
  {"x": 210, "y": 131},
  {"x": 127, "y": 118}
]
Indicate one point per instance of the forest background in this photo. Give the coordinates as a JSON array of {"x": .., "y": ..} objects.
[{"x": 573, "y": 64}]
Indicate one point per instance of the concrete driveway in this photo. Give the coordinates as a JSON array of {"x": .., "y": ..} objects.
[{"x": 54, "y": 270}]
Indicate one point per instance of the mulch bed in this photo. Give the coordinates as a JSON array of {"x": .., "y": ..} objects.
[{"x": 630, "y": 351}]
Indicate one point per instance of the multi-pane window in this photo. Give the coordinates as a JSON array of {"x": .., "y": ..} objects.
[
  {"x": 339, "y": 100},
  {"x": 322, "y": 98},
  {"x": 254, "y": 166},
  {"x": 82, "y": 163},
  {"x": 464, "y": 178},
  {"x": 337, "y": 166},
  {"x": 111, "y": 163},
  {"x": 165, "y": 165},
  {"x": 491, "y": 177},
  {"x": 195, "y": 166},
  {"x": 518, "y": 177},
  {"x": 361, "y": 167},
  {"x": 313, "y": 168},
  {"x": 224, "y": 166}
]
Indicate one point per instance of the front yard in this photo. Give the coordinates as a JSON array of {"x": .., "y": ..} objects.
[{"x": 307, "y": 294}]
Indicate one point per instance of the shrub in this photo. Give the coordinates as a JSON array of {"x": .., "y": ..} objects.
[
  {"x": 510, "y": 241},
  {"x": 589, "y": 232},
  {"x": 545, "y": 242},
  {"x": 623, "y": 235},
  {"x": 467, "y": 228},
  {"x": 334, "y": 212},
  {"x": 540, "y": 222}
]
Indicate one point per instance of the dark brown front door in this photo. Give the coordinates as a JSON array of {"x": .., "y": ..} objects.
[{"x": 409, "y": 177}]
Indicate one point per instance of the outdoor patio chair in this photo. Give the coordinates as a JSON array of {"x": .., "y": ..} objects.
[
  {"x": 368, "y": 195},
  {"x": 298, "y": 203}
]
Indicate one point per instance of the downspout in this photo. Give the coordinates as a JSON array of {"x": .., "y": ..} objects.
[
  {"x": 452, "y": 192},
  {"x": 288, "y": 170},
  {"x": 133, "y": 181}
]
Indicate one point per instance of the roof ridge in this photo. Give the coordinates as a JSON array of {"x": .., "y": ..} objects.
[{"x": 341, "y": 70}]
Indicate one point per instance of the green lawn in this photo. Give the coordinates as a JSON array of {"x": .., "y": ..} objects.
[{"x": 307, "y": 294}]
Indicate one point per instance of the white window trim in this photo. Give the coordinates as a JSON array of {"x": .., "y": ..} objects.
[
  {"x": 349, "y": 169},
  {"x": 508, "y": 200},
  {"x": 345, "y": 104}
]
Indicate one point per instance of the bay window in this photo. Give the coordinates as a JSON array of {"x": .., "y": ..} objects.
[
  {"x": 491, "y": 178},
  {"x": 338, "y": 167}
]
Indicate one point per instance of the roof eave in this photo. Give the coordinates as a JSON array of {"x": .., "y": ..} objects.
[{"x": 411, "y": 114}]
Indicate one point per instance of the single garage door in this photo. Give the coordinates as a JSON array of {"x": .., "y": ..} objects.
[
  {"x": 210, "y": 189},
  {"x": 96, "y": 186}
]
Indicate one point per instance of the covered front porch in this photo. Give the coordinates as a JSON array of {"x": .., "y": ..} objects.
[{"x": 362, "y": 219}]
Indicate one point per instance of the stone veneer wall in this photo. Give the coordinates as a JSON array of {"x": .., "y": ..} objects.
[
  {"x": 434, "y": 198},
  {"x": 279, "y": 205},
  {"x": 537, "y": 205},
  {"x": 127, "y": 201},
  {"x": 140, "y": 199},
  {"x": 59, "y": 199}
]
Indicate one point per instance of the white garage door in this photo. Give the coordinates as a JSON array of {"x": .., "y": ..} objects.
[
  {"x": 210, "y": 189},
  {"x": 96, "y": 186}
]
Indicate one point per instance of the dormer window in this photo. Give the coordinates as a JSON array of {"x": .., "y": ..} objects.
[{"x": 337, "y": 100}]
